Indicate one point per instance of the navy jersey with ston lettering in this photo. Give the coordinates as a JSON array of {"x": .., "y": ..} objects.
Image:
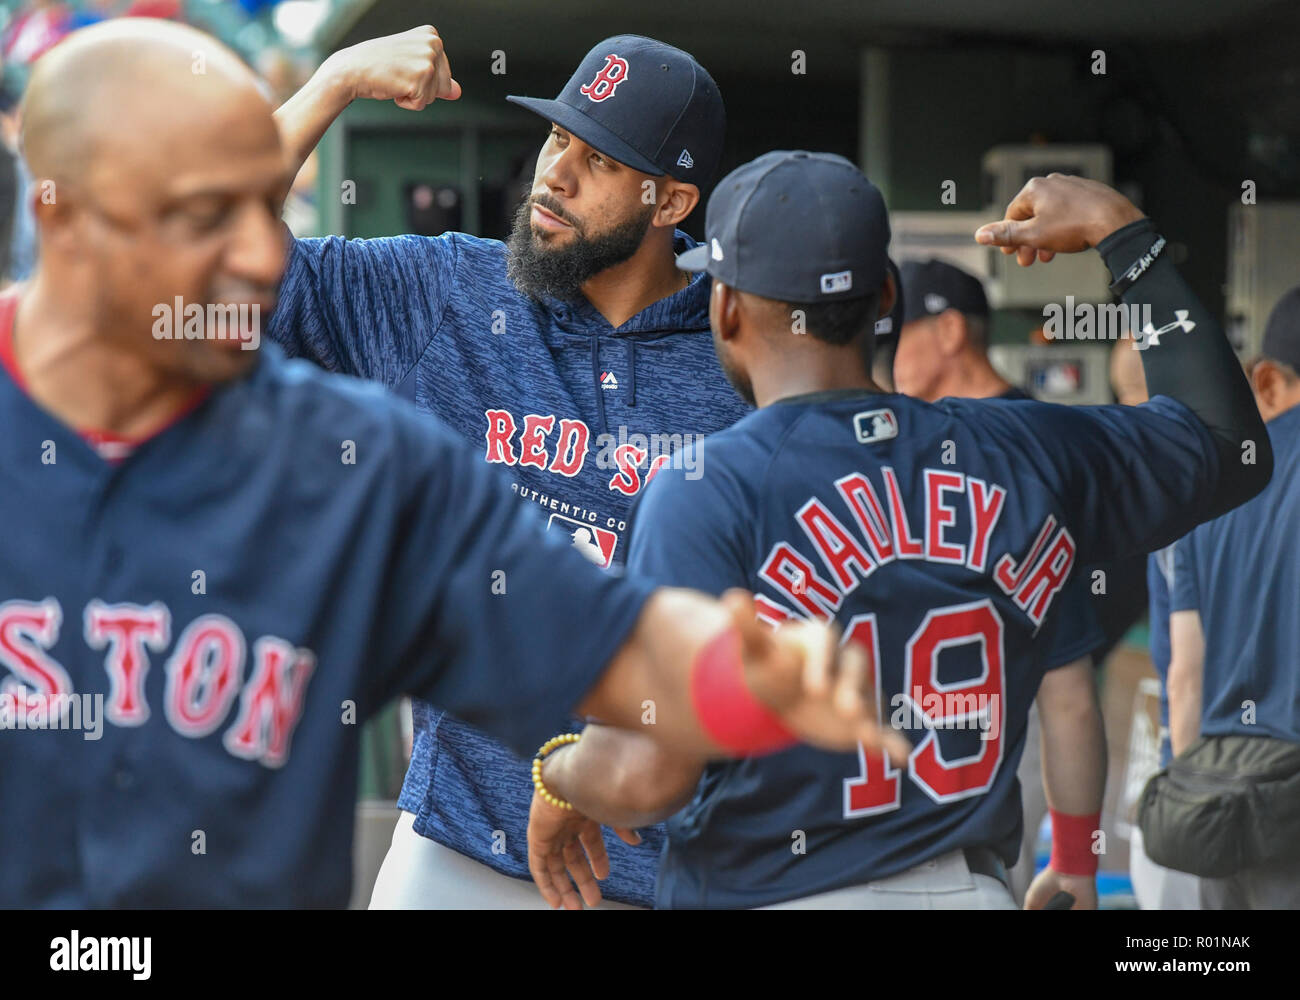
[
  {"x": 941, "y": 537},
  {"x": 237, "y": 596}
]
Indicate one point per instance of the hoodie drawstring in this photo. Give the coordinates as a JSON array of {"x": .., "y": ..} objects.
[
  {"x": 630, "y": 346},
  {"x": 595, "y": 381}
]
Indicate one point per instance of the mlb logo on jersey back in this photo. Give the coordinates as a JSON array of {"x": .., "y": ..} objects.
[
  {"x": 871, "y": 426},
  {"x": 596, "y": 544}
]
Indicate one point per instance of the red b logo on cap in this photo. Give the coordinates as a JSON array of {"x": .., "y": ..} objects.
[{"x": 607, "y": 80}]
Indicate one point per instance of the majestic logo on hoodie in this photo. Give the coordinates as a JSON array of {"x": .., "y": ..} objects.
[{"x": 608, "y": 381}]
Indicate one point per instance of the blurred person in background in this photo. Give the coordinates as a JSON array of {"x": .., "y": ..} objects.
[
  {"x": 1234, "y": 667},
  {"x": 1155, "y": 886},
  {"x": 943, "y": 351},
  {"x": 19, "y": 235}
]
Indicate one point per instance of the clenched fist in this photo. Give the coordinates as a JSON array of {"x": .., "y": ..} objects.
[
  {"x": 1058, "y": 214},
  {"x": 410, "y": 69}
]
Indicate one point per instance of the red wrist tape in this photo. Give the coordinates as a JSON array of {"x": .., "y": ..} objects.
[
  {"x": 1072, "y": 843},
  {"x": 730, "y": 715}
]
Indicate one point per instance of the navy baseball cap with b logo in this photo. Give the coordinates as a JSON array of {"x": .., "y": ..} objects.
[
  {"x": 796, "y": 227},
  {"x": 646, "y": 104}
]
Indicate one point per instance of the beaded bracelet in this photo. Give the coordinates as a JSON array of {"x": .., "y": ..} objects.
[{"x": 543, "y": 752}]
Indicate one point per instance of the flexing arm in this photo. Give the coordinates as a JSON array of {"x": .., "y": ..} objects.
[
  {"x": 410, "y": 68},
  {"x": 1186, "y": 667},
  {"x": 1191, "y": 360},
  {"x": 1074, "y": 776}
]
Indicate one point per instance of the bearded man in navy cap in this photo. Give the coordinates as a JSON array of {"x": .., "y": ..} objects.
[{"x": 575, "y": 354}]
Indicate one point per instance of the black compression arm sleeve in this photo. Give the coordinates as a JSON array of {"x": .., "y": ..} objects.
[{"x": 1197, "y": 367}]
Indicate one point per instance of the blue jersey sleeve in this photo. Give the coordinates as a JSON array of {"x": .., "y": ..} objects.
[
  {"x": 364, "y": 307},
  {"x": 692, "y": 532},
  {"x": 1184, "y": 589},
  {"x": 1128, "y": 479},
  {"x": 486, "y": 614}
]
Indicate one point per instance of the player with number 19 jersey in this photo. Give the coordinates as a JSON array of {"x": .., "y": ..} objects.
[{"x": 940, "y": 536}]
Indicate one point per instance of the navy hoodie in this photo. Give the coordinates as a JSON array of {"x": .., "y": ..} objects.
[{"x": 578, "y": 415}]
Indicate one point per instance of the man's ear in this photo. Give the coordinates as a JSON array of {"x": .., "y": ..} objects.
[
  {"x": 676, "y": 201},
  {"x": 1269, "y": 385},
  {"x": 888, "y": 296},
  {"x": 724, "y": 310},
  {"x": 950, "y": 329},
  {"x": 55, "y": 211}
]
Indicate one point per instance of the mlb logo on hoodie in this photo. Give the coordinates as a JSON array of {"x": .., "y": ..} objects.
[{"x": 608, "y": 381}]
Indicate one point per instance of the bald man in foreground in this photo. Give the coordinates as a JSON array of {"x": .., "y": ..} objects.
[{"x": 218, "y": 563}]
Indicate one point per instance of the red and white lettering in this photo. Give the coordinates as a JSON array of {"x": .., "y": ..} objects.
[
  {"x": 944, "y": 780},
  {"x": 203, "y": 675},
  {"x": 1048, "y": 577},
  {"x": 271, "y": 703},
  {"x": 837, "y": 548},
  {"x": 570, "y": 448},
  {"x": 939, "y": 515},
  {"x": 27, "y": 630},
  {"x": 501, "y": 426},
  {"x": 659, "y": 462},
  {"x": 877, "y": 788},
  {"x": 627, "y": 480},
  {"x": 128, "y": 631},
  {"x": 769, "y": 612},
  {"x": 975, "y": 700},
  {"x": 1008, "y": 575},
  {"x": 985, "y": 509},
  {"x": 865, "y": 506},
  {"x": 607, "y": 80},
  {"x": 793, "y": 575},
  {"x": 906, "y": 546},
  {"x": 532, "y": 442}
]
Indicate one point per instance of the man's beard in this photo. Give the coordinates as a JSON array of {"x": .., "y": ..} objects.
[{"x": 541, "y": 272}]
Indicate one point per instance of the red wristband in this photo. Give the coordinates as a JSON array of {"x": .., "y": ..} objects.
[
  {"x": 1072, "y": 837},
  {"x": 729, "y": 714}
]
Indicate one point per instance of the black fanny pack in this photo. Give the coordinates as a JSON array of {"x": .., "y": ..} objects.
[{"x": 1225, "y": 804}]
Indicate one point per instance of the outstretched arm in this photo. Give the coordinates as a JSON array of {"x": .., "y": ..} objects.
[
  {"x": 410, "y": 69},
  {"x": 721, "y": 684}
]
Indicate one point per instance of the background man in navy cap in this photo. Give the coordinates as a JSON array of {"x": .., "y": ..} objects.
[
  {"x": 943, "y": 351},
  {"x": 940, "y": 536},
  {"x": 944, "y": 340},
  {"x": 572, "y": 355},
  {"x": 1234, "y": 667}
]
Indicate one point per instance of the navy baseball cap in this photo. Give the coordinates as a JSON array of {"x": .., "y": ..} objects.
[
  {"x": 796, "y": 227},
  {"x": 1282, "y": 332},
  {"x": 646, "y": 104},
  {"x": 932, "y": 286}
]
